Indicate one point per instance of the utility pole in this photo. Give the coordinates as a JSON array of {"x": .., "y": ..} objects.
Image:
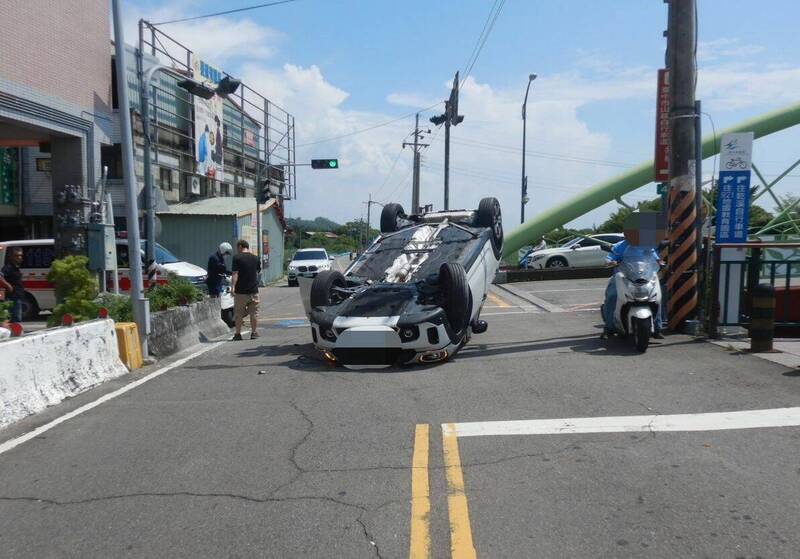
[
  {"x": 682, "y": 279},
  {"x": 140, "y": 305},
  {"x": 417, "y": 146}
]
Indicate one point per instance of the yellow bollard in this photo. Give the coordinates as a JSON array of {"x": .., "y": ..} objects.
[{"x": 130, "y": 351}]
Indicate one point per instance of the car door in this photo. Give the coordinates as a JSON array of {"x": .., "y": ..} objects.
[{"x": 588, "y": 254}]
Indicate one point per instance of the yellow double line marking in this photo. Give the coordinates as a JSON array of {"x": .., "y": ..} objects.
[
  {"x": 420, "y": 497},
  {"x": 497, "y": 301},
  {"x": 461, "y": 546}
]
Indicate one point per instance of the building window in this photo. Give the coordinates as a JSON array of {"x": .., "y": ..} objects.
[
  {"x": 114, "y": 98},
  {"x": 241, "y": 192},
  {"x": 165, "y": 177},
  {"x": 111, "y": 157},
  {"x": 224, "y": 189}
]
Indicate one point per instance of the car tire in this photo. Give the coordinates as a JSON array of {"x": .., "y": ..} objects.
[
  {"x": 391, "y": 215},
  {"x": 455, "y": 296},
  {"x": 30, "y": 308},
  {"x": 557, "y": 262},
  {"x": 489, "y": 215},
  {"x": 322, "y": 288}
]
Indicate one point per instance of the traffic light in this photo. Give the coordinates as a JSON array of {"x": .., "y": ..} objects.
[{"x": 324, "y": 163}]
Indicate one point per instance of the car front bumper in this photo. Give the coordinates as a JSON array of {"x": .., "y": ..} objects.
[{"x": 382, "y": 341}]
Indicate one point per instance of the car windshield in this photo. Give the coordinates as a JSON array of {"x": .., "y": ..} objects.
[
  {"x": 574, "y": 241},
  {"x": 311, "y": 255},
  {"x": 163, "y": 256}
]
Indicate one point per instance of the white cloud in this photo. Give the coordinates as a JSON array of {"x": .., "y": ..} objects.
[{"x": 725, "y": 47}]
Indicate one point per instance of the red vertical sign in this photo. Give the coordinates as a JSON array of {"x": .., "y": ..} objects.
[{"x": 662, "y": 128}]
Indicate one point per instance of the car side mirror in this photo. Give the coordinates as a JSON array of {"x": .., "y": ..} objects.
[
  {"x": 574, "y": 247},
  {"x": 606, "y": 248},
  {"x": 331, "y": 258}
]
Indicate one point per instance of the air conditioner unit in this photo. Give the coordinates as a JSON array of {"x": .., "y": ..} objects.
[{"x": 193, "y": 184}]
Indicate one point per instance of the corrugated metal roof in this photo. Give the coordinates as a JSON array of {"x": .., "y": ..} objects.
[{"x": 217, "y": 206}]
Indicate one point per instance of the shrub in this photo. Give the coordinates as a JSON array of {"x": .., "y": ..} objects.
[
  {"x": 75, "y": 289},
  {"x": 119, "y": 306},
  {"x": 177, "y": 291},
  {"x": 5, "y": 311}
]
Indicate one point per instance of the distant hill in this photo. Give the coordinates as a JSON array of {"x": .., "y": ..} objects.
[{"x": 316, "y": 224}]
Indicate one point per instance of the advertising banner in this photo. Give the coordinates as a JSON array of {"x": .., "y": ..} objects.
[
  {"x": 662, "y": 128},
  {"x": 208, "y": 127}
]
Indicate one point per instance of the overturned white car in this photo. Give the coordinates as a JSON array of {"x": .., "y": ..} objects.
[{"x": 415, "y": 296}]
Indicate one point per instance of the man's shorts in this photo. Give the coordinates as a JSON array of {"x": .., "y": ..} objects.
[{"x": 244, "y": 304}]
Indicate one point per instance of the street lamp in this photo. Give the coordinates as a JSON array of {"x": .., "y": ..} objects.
[
  {"x": 225, "y": 87},
  {"x": 524, "y": 185}
]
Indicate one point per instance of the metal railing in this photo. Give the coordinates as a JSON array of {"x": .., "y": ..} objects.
[
  {"x": 740, "y": 268},
  {"x": 258, "y": 135}
]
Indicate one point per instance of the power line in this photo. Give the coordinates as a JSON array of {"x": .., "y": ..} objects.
[
  {"x": 488, "y": 31},
  {"x": 367, "y": 129},
  {"x": 478, "y": 40},
  {"x": 227, "y": 12}
]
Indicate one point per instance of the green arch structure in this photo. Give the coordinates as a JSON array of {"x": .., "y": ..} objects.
[{"x": 629, "y": 181}]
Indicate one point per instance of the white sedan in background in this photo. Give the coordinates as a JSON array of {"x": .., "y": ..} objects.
[{"x": 580, "y": 252}]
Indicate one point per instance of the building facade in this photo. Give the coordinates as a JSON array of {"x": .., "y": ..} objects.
[{"x": 56, "y": 102}]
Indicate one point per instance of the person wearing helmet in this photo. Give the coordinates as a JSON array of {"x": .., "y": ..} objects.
[{"x": 217, "y": 269}]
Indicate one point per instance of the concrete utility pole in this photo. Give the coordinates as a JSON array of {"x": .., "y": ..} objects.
[
  {"x": 141, "y": 309},
  {"x": 417, "y": 160},
  {"x": 682, "y": 280}
]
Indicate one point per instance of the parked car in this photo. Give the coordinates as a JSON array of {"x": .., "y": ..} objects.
[
  {"x": 38, "y": 254},
  {"x": 307, "y": 263},
  {"x": 415, "y": 296},
  {"x": 580, "y": 252}
]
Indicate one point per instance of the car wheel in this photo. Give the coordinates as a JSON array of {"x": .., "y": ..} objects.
[
  {"x": 322, "y": 288},
  {"x": 391, "y": 216},
  {"x": 489, "y": 215},
  {"x": 30, "y": 308},
  {"x": 455, "y": 296},
  {"x": 557, "y": 262}
]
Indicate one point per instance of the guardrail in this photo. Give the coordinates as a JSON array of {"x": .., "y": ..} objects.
[{"x": 739, "y": 267}]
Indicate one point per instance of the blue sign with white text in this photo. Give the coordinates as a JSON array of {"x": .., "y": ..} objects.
[{"x": 733, "y": 206}]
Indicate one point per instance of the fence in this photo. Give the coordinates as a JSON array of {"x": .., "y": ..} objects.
[
  {"x": 738, "y": 268},
  {"x": 258, "y": 135}
]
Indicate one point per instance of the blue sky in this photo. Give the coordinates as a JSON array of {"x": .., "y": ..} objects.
[{"x": 343, "y": 65}]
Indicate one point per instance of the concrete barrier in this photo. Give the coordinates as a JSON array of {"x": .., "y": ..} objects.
[
  {"x": 514, "y": 275},
  {"x": 176, "y": 329},
  {"x": 43, "y": 368}
]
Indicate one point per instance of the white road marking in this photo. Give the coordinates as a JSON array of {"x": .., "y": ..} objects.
[
  {"x": 716, "y": 421},
  {"x": 13, "y": 443},
  {"x": 563, "y": 290}
]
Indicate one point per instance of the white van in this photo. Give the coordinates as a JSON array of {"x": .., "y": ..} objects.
[{"x": 38, "y": 254}]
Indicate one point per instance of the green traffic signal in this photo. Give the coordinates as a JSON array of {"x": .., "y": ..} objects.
[{"x": 324, "y": 163}]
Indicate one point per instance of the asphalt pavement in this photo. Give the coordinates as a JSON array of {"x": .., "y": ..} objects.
[{"x": 259, "y": 448}]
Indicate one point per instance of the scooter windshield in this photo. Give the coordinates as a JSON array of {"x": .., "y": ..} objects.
[{"x": 639, "y": 263}]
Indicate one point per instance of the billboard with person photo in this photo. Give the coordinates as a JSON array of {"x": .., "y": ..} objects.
[{"x": 208, "y": 127}]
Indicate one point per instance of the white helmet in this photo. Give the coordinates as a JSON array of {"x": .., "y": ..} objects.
[{"x": 225, "y": 248}]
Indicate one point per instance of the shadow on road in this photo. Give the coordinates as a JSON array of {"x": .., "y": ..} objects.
[{"x": 590, "y": 344}]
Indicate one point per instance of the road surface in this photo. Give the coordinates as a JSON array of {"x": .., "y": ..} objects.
[{"x": 259, "y": 449}]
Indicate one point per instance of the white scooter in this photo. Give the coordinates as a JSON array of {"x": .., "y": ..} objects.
[{"x": 638, "y": 299}]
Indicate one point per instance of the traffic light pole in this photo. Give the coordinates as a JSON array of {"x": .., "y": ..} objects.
[{"x": 447, "y": 157}]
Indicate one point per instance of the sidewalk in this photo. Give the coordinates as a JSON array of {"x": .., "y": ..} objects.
[{"x": 787, "y": 350}]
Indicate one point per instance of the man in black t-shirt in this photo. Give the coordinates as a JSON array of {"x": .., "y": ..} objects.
[{"x": 245, "y": 268}]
